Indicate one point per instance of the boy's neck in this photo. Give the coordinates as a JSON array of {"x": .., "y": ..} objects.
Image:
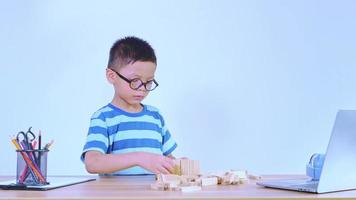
[{"x": 127, "y": 107}]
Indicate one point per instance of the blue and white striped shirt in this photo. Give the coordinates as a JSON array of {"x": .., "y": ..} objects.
[{"x": 115, "y": 131}]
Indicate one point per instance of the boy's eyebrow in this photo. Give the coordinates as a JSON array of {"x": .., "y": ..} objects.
[{"x": 138, "y": 76}]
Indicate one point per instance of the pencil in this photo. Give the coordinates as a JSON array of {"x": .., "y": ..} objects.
[
  {"x": 29, "y": 163},
  {"x": 24, "y": 173},
  {"x": 18, "y": 147},
  {"x": 48, "y": 145},
  {"x": 31, "y": 155}
]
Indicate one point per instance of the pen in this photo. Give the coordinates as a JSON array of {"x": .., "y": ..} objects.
[
  {"x": 39, "y": 140},
  {"x": 39, "y": 157}
]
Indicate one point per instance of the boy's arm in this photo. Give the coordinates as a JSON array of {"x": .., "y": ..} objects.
[{"x": 97, "y": 162}]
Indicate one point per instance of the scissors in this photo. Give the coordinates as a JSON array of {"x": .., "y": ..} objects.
[{"x": 28, "y": 137}]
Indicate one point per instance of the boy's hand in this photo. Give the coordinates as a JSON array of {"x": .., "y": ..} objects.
[{"x": 155, "y": 163}]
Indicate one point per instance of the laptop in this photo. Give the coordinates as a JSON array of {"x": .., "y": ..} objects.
[
  {"x": 339, "y": 169},
  {"x": 54, "y": 182}
]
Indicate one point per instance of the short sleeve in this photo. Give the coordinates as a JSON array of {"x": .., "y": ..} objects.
[
  {"x": 98, "y": 137},
  {"x": 168, "y": 143}
]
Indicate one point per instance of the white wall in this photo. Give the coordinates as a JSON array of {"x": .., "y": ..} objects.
[{"x": 243, "y": 84}]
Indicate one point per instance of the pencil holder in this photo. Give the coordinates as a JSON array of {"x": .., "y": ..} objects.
[{"x": 32, "y": 167}]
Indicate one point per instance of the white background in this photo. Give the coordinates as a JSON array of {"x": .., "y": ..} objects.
[{"x": 243, "y": 84}]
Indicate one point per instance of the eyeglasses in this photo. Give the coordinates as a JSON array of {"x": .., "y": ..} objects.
[{"x": 136, "y": 83}]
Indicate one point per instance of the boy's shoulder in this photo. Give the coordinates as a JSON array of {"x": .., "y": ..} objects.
[
  {"x": 101, "y": 111},
  {"x": 152, "y": 108},
  {"x": 154, "y": 111}
]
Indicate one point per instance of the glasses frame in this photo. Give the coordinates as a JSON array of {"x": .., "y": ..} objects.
[{"x": 135, "y": 79}]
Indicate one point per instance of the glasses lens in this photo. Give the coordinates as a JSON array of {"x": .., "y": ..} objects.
[
  {"x": 151, "y": 85},
  {"x": 135, "y": 84}
]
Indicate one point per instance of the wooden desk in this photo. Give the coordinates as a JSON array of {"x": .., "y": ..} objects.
[{"x": 139, "y": 188}]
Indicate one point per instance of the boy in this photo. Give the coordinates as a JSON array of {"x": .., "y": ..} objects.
[{"x": 126, "y": 137}]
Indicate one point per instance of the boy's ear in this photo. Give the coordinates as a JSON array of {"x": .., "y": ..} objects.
[{"x": 110, "y": 75}]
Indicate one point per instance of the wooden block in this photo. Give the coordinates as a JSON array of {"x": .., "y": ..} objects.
[
  {"x": 176, "y": 170},
  {"x": 168, "y": 186},
  {"x": 254, "y": 177},
  {"x": 171, "y": 186},
  {"x": 160, "y": 178},
  {"x": 177, "y": 167},
  {"x": 220, "y": 180},
  {"x": 242, "y": 174},
  {"x": 169, "y": 177},
  {"x": 230, "y": 179},
  {"x": 196, "y": 167},
  {"x": 218, "y": 175},
  {"x": 189, "y": 180},
  {"x": 190, "y": 188},
  {"x": 209, "y": 181},
  {"x": 184, "y": 166},
  {"x": 172, "y": 178},
  {"x": 189, "y": 167}
]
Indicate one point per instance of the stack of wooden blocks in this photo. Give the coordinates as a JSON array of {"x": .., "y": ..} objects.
[
  {"x": 186, "y": 167},
  {"x": 187, "y": 177},
  {"x": 232, "y": 177}
]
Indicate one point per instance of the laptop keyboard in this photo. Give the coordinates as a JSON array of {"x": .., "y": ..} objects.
[{"x": 308, "y": 185}]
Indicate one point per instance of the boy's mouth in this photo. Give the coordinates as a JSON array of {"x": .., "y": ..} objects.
[{"x": 139, "y": 97}]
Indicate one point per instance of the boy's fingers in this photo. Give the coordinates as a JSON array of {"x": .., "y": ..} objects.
[
  {"x": 169, "y": 167},
  {"x": 163, "y": 170},
  {"x": 170, "y": 164},
  {"x": 170, "y": 161}
]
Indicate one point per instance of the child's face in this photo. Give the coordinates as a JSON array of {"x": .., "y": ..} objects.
[{"x": 139, "y": 70}]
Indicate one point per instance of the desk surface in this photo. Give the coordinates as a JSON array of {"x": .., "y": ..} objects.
[{"x": 138, "y": 187}]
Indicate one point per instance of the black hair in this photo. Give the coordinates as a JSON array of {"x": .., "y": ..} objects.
[{"x": 129, "y": 50}]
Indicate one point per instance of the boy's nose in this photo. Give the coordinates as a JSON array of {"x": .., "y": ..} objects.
[{"x": 142, "y": 89}]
